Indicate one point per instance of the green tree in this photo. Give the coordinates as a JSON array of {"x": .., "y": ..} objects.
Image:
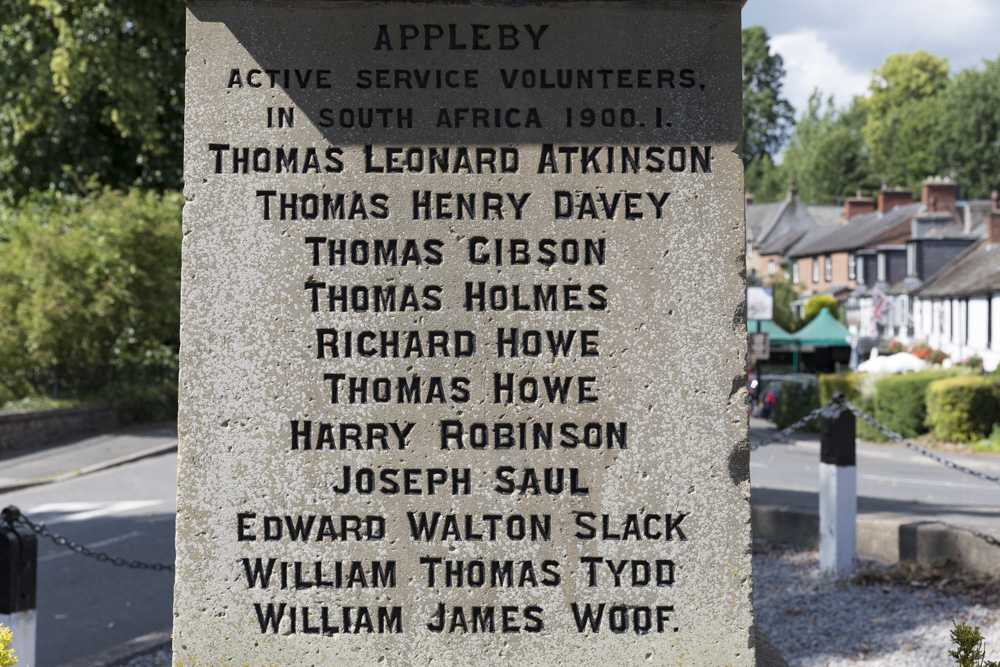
[
  {"x": 89, "y": 281},
  {"x": 90, "y": 88},
  {"x": 969, "y": 129},
  {"x": 816, "y": 304},
  {"x": 767, "y": 117},
  {"x": 826, "y": 156},
  {"x": 784, "y": 294},
  {"x": 766, "y": 180},
  {"x": 902, "y": 115}
]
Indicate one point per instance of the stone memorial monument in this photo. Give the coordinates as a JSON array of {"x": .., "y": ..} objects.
[{"x": 463, "y": 335}]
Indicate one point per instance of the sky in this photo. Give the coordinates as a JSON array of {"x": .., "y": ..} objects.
[{"x": 834, "y": 46}]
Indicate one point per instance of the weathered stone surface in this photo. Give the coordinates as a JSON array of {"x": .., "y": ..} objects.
[{"x": 625, "y": 194}]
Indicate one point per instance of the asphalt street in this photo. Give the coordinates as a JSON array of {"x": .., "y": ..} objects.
[
  {"x": 85, "y": 606},
  {"x": 891, "y": 479}
]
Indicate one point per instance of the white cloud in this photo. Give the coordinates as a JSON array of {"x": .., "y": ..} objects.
[
  {"x": 810, "y": 63},
  {"x": 861, "y": 33}
]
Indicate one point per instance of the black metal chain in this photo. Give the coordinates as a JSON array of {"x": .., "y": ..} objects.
[
  {"x": 13, "y": 515},
  {"x": 785, "y": 432},
  {"x": 892, "y": 435}
]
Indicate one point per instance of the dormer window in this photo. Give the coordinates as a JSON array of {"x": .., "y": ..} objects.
[
  {"x": 861, "y": 272},
  {"x": 881, "y": 267},
  {"x": 911, "y": 259}
]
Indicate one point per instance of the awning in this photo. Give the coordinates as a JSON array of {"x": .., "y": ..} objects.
[
  {"x": 823, "y": 331},
  {"x": 777, "y": 335}
]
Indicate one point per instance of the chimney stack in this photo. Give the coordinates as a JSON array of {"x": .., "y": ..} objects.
[
  {"x": 889, "y": 198},
  {"x": 993, "y": 226},
  {"x": 793, "y": 192},
  {"x": 939, "y": 194},
  {"x": 857, "y": 205}
]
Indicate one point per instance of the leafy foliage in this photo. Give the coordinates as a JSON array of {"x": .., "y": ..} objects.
[
  {"x": 900, "y": 111},
  {"x": 7, "y": 657},
  {"x": 962, "y": 409},
  {"x": 969, "y": 651},
  {"x": 826, "y": 156},
  {"x": 784, "y": 294},
  {"x": 816, "y": 303},
  {"x": 900, "y": 400},
  {"x": 970, "y": 127},
  {"x": 927, "y": 353},
  {"x": 91, "y": 283},
  {"x": 766, "y": 180},
  {"x": 915, "y": 122},
  {"x": 796, "y": 400},
  {"x": 90, "y": 89},
  {"x": 859, "y": 390},
  {"x": 767, "y": 117}
]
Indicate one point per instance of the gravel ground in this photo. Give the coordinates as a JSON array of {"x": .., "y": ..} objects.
[
  {"x": 818, "y": 621},
  {"x": 897, "y": 619}
]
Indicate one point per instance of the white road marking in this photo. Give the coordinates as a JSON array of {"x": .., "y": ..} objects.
[
  {"x": 95, "y": 545},
  {"x": 81, "y": 511},
  {"x": 926, "y": 482}
]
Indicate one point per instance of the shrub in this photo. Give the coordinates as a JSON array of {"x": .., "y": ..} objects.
[
  {"x": 962, "y": 409},
  {"x": 795, "y": 400},
  {"x": 7, "y": 657},
  {"x": 969, "y": 648},
  {"x": 990, "y": 444},
  {"x": 90, "y": 296},
  {"x": 928, "y": 353},
  {"x": 816, "y": 304},
  {"x": 900, "y": 400},
  {"x": 859, "y": 390},
  {"x": 845, "y": 383},
  {"x": 975, "y": 362},
  {"x": 895, "y": 347}
]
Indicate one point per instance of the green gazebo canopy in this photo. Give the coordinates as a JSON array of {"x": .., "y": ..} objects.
[
  {"x": 777, "y": 335},
  {"x": 824, "y": 330}
]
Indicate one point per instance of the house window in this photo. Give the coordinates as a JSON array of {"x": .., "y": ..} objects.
[
  {"x": 852, "y": 267},
  {"x": 828, "y": 268},
  {"x": 795, "y": 272},
  {"x": 771, "y": 268},
  {"x": 815, "y": 261},
  {"x": 881, "y": 267},
  {"x": 911, "y": 259},
  {"x": 861, "y": 272}
]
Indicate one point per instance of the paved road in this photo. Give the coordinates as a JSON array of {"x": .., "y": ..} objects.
[
  {"x": 85, "y": 606},
  {"x": 891, "y": 479}
]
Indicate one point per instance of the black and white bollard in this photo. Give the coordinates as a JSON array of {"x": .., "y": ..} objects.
[
  {"x": 18, "y": 579},
  {"x": 838, "y": 490}
]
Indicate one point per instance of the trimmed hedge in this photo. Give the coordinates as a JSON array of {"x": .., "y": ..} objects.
[
  {"x": 962, "y": 409},
  {"x": 859, "y": 390},
  {"x": 847, "y": 384},
  {"x": 900, "y": 400},
  {"x": 795, "y": 401}
]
